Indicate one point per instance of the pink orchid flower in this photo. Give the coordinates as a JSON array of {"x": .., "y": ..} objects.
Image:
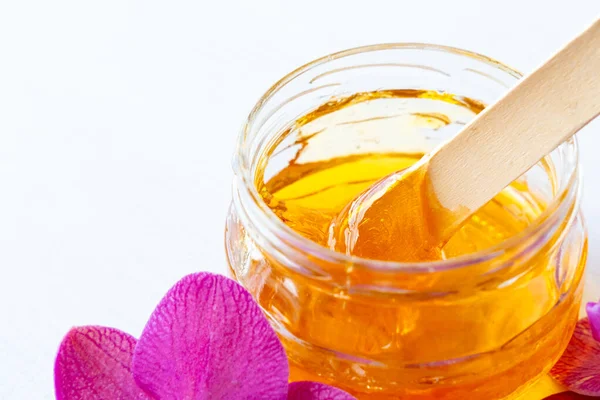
[
  {"x": 569, "y": 396},
  {"x": 207, "y": 339},
  {"x": 578, "y": 369}
]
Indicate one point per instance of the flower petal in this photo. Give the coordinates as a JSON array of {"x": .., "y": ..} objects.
[
  {"x": 94, "y": 363},
  {"x": 593, "y": 312},
  {"x": 316, "y": 391},
  {"x": 569, "y": 396},
  {"x": 208, "y": 339},
  {"x": 579, "y": 367}
]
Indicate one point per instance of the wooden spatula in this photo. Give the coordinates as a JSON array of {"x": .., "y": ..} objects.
[{"x": 497, "y": 147}]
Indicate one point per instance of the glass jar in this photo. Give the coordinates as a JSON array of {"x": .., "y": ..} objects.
[{"x": 373, "y": 327}]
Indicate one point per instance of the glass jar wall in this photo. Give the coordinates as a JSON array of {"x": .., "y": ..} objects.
[{"x": 479, "y": 325}]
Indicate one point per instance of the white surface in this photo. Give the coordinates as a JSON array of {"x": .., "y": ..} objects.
[{"x": 117, "y": 125}]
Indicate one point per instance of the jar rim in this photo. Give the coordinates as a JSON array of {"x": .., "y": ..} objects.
[{"x": 289, "y": 237}]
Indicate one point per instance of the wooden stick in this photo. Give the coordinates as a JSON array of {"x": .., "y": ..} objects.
[{"x": 508, "y": 138}]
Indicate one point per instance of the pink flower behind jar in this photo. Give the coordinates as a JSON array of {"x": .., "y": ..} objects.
[{"x": 578, "y": 369}]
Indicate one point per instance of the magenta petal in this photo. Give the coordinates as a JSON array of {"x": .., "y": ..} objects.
[
  {"x": 593, "y": 313},
  {"x": 94, "y": 363},
  {"x": 579, "y": 367},
  {"x": 316, "y": 391},
  {"x": 569, "y": 396},
  {"x": 208, "y": 339}
]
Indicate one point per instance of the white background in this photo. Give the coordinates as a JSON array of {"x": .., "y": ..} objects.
[{"x": 117, "y": 125}]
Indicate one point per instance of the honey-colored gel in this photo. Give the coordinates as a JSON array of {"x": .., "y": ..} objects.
[
  {"x": 396, "y": 219},
  {"x": 312, "y": 198},
  {"x": 509, "y": 322}
]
